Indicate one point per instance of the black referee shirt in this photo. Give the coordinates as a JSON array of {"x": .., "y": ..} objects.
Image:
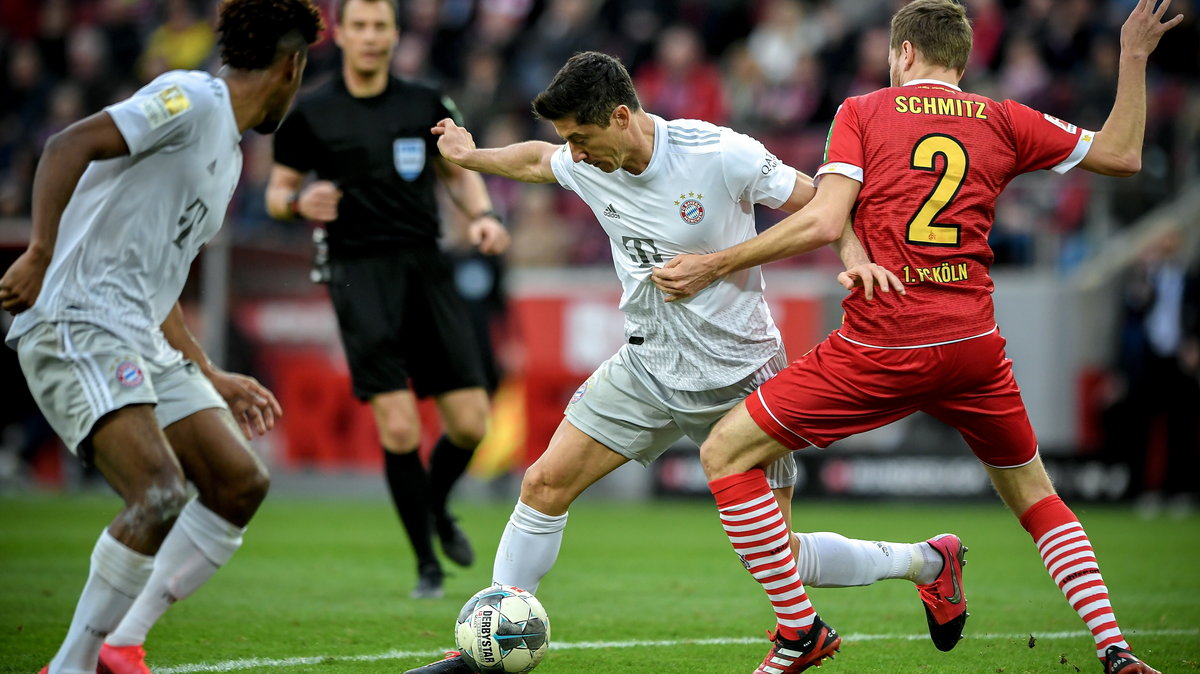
[{"x": 380, "y": 152}]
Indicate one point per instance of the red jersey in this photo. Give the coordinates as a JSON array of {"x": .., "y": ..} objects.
[{"x": 932, "y": 160}]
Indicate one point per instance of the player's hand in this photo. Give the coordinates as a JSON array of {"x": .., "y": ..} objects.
[
  {"x": 685, "y": 275},
  {"x": 454, "y": 141},
  {"x": 870, "y": 276},
  {"x": 1144, "y": 27},
  {"x": 319, "y": 201},
  {"x": 253, "y": 405},
  {"x": 21, "y": 284},
  {"x": 489, "y": 236}
]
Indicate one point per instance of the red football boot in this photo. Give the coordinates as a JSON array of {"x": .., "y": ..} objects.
[
  {"x": 122, "y": 660},
  {"x": 453, "y": 663},
  {"x": 1119, "y": 660},
  {"x": 944, "y": 600},
  {"x": 788, "y": 656}
]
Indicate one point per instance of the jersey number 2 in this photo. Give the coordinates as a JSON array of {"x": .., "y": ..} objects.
[{"x": 923, "y": 229}]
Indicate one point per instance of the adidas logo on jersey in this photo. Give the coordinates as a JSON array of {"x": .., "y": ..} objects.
[{"x": 611, "y": 212}]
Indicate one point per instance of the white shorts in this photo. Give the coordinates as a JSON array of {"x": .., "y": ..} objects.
[
  {"x": 79, "y": 372},
  {"x": 625, "y": 408}
]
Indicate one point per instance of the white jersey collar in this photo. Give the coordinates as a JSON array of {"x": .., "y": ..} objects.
[{"x": 656, "y": 160}]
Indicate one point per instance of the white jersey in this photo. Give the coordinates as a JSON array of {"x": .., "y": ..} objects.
[
  {"x": 134, "y": 224},
  {"x": 697, "y": 195}
]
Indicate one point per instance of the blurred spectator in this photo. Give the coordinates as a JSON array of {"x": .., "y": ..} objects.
[
  {"x": 1025, "y": 77},
  {"x": 564, "y": 28},
  {"x": 481, "y": 94},
  {"x": 988, "y": 21},
  {"x": 120, "y": 21},
  {"x": 1159, "y": 361},
  {"x": 88, "y": 67},
  {"x": 543, "y": 238},
  {"x": 781, "y": 38},
  {"x": 183, "y": 42},
  {"x": 680, "y": 83}
]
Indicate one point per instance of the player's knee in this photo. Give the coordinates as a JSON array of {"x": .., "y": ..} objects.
[
  {"x": 236, "y": 496},
  {"x": 541, "y": 491},
  {"x": 248, "y": 492},
  {"x": 158, "y": 505},
  {"x": 467, "y": 425},
  {"x": 715, "y": 460},
  {"x": 399, "y": 434},
  {"x": 467, "y": 435}
]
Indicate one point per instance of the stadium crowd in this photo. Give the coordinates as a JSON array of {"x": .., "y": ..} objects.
[{"x": 775, "y": 69}]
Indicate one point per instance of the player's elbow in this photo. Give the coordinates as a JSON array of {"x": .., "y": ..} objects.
[
  {"x": 1113, "y": 161},
  {"x": 1126, "y": 165},
  {"x": 827, "y": 231}
]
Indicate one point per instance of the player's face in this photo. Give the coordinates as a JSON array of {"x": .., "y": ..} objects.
[
  {"x": 281, "y": 102},
  {"x": 591, "y": 144},
  {"x": 367, "y": 35},
  {"x": 894, "y": 67}
]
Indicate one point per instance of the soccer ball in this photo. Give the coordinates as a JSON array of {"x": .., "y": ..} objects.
[{"x": 502, "y": 629}]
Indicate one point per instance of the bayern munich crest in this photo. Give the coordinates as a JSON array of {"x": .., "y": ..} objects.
[
  {"x": 692, "y": 211},
  {"x": 129, "y": 374},
  {"x": 578, "y": 395}
]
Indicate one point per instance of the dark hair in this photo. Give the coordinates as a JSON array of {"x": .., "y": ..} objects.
[
  {"x": 254, "y": 33},
  {"x": 341, "y": 9},
  {"x": 588, "y": 87},
  {"x": 939, "y": 29}
]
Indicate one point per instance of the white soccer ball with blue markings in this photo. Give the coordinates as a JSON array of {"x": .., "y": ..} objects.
[{"x": 502, "y": 629}]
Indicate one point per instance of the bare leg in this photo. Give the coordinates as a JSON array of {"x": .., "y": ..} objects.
[
  {"x": 133, "y": 455},
  {"x": 232, "y": 483},
  {"x": 529, "y": 547}
]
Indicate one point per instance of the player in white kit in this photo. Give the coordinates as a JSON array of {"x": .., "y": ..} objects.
[
  {"x": 659, "y": 188},
  {"x": 123, "y": 202}
]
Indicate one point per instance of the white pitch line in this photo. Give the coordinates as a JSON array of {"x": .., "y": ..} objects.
[{"x": 259, "y": 663}]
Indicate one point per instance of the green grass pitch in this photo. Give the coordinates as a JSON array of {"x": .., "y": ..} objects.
[{"x": 322, "y": 587}]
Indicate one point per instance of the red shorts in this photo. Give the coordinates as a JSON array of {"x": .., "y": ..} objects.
[{"x": 841, "y": 388}]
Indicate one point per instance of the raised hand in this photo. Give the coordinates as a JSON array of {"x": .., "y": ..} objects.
[{"x": 1144, "y": 27}]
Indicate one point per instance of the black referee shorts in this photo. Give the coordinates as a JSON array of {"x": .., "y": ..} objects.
[{"x": 402, "y": 320}]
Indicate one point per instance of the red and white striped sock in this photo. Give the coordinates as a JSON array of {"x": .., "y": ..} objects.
[
  {"x": 1068, "y": 556},
  {"x": 755, "y": 526}
]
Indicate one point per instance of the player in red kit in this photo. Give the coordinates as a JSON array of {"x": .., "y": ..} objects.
[{"x": 920, "y": 164}]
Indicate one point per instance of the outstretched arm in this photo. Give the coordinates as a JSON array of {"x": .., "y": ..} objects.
[
  {"x": 252, "y": 404},
  {"x": 1117, "y": 148},
  {"x": 64, "y": 159},
  {"x": 528, "y": 162},
  {"x": 819, "y": 223}
]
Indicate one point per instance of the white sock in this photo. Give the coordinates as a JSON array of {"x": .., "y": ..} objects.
[
  {"x": 827, "y": 559},
  {"x": 117, "y": 576},
  {"x": 200, "y": 543},
  {"x": 528, "y": 547}
]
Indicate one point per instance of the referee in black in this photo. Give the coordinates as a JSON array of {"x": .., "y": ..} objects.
[{"x": 367, "y": 137}]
